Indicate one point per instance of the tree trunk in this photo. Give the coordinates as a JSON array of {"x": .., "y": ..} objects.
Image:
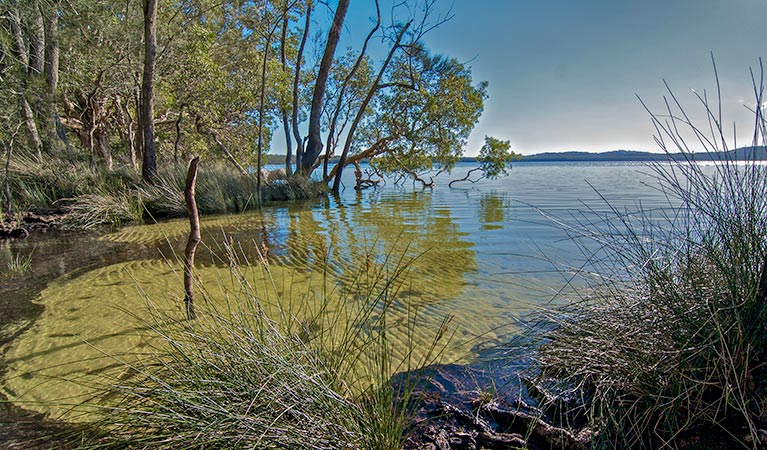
[
  {"x": 139, "y": 127},
  {"x": 36, "y": 40},
  {"x": 193, "y": 240},
  {"x": 262, "y": 100},
  {"x": 149, "y": 168},
  {"x": 52, "y": 76},
  {"x": 329, "y": 147},
  {"x": 363, "y": 107},
  {"x": 288, "y": 144},
  {"x": 177, "y": 142},
  {"x": 127, "y": 129},
  {"x": 296, "y": 79},
  {"x": 8, "y": 203},
  {"x": 24, "y": 57},
  {"x": 283, "y": 110},
  {"x": 314, "y": 144},
  {"x": 8, "y": 208},
  {"x": 29, "y": 122},
  {"x": 103, "y": 147},
  {"x": 52, "y": 48},
  {"x": 91, "y": 139}
]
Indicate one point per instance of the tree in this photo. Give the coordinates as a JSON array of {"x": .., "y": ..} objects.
[
  {"x": 421, "y": 117},
  {"x": 494, "y": 160},
  {"x": 363, "y": 107},
  {"x": 149, "y": 168},
  {"x": 97, "y": 84},
  {"x": 28, "y": 51},
  {"x": 314, "y": 143},
  {"x": 296, "y": 84}
]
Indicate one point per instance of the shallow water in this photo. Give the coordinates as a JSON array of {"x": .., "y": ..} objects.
[{"x": 483, "y": 253}]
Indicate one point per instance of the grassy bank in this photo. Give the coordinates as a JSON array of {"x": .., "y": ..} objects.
[
  {"x": 86, "y": 198},
  {"x": 666, "y": 349}
]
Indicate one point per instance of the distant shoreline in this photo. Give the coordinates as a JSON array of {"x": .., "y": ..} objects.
[{"x": 740, "y": 154}]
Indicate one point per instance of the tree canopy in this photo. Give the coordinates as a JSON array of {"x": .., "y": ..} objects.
[{"x": 227, "y": 75}]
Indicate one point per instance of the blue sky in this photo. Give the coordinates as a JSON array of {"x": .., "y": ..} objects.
[{"x": 563, "y": 74}]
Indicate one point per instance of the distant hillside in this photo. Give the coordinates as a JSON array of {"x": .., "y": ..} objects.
[{"x": 741, "y": 154}]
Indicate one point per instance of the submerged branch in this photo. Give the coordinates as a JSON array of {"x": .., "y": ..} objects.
[{"x": 467, "y": 177}]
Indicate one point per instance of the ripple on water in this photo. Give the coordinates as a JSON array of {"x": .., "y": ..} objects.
[{"x": 94, "y": 324}]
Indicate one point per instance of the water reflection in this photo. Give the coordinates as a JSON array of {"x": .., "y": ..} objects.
[
  {"x": 492, "y": 210},
  {"x": 312, "y": 252},
  {"x": 475, "y": 254}
]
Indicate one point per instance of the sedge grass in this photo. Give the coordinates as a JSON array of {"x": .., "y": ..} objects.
[
  {"x": 667, "y": 347},
  {"x": 19, "y": 264},
  {"x": 92, "y": 198},
  {"x": 260, "y": 371}
]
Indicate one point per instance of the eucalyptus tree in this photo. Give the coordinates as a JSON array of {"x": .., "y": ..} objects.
[
  {"x": 495, "y": 158},
  {"x": 406, "y": 112},
  {"x": 226, "y": 71},
  {"x": 421, "y": 116},
  {"x": 149, "y": 167},
  {"x": 24, "y": 25},
  {"x": 100, "y": 45}
]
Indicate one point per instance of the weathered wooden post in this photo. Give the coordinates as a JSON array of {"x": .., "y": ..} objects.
[{"x": 194, "y": 237}]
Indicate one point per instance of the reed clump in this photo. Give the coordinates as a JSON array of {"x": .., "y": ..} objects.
[
  {"x": 668, "y": 348},
  {"x": 86, "y": 198},
  {"x": 260, "y": 371}
]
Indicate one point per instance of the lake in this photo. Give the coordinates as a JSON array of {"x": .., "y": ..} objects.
[{"x": 483, "y": 253}]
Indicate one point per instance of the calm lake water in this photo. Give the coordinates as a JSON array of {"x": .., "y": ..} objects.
[{"x": 484, "y": 253}]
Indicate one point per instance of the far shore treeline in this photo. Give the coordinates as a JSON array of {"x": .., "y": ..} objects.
[{"x": 741, "y": 154}]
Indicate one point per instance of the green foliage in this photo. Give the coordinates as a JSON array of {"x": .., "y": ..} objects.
[
  {"x": 429, "y": 123},
  {"x": 19, "y": 264},
  {"x": 495, "y": 157},
  {"x": 208, "y": 82}
]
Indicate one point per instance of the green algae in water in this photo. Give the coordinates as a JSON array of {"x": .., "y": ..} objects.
[{"x": 93, "y": 326}]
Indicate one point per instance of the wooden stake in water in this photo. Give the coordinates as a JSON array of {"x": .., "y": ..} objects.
[{"x": 194, "y": 236}]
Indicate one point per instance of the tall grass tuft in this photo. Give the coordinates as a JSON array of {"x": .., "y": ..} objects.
[
  {"x": 91, "y": 210},
  {"x": 668, "y": 348},
  {"x": 19, "y": 264},
  {"x": 259, "y": 371},
  {"x": 220, "y": 189},
  {"x": 119, "y": 196}
]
